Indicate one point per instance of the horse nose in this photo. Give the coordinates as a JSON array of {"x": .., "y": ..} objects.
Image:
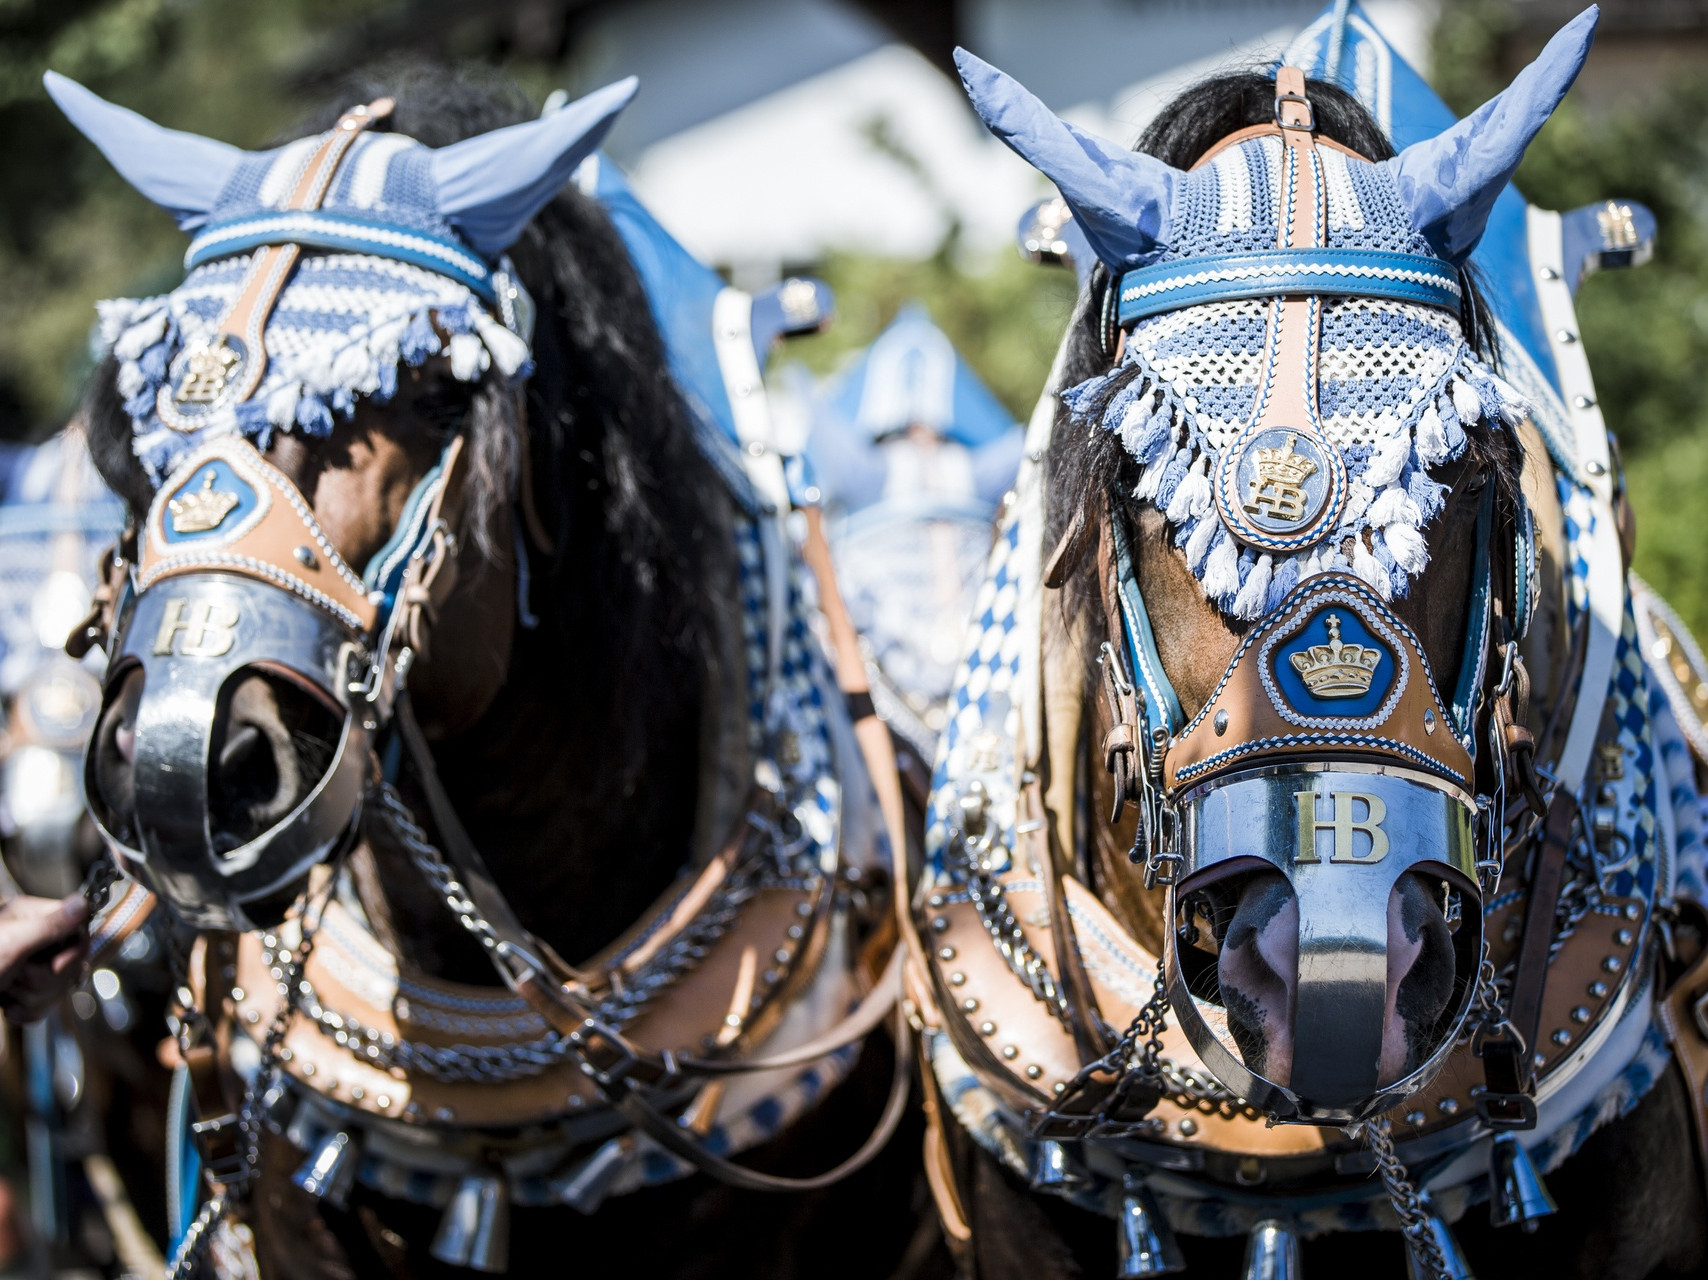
[
  {"x": 267, "y": 751},
  {"x": 270, "y": 743},
  {"x": 1257, "y": 969}
]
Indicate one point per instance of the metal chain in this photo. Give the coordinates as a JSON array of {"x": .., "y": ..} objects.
[
  {"x": 98, "y": 882},
  {"x": 1406, "y": 1200},
  {"x": 986, "y": 893},
  {"x": 193, "y": 1247},
  {"x": 501, "y": 1063},
  {"x": 196, "y": 1239}
]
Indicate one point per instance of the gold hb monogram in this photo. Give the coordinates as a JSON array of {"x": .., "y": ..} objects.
[
  {"x": 205, "y": 374},
  {"x": 1277, "y": 491},
  {"x": 1343, "y": 824},
  {"x": 207, "y": 628}
]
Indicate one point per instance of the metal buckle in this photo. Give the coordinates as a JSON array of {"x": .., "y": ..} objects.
[{"x": 1310, "y": 124}]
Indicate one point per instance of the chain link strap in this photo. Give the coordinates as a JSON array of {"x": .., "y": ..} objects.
[
  {"x": 98, "y": 882},
  {"x": 986, "y": 894},
  {"x": 1407, "y": 1201}
]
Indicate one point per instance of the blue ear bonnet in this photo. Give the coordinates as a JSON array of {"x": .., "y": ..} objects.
[
  {"x": 1196, "y": 282},
  {"x": 401, "y": 261},
  {"x": 383, "y": 200}
]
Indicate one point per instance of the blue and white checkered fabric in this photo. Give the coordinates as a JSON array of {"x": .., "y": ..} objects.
[
  {"x": 345, "y": 321},
  {"x": 1396, "y": 385}
]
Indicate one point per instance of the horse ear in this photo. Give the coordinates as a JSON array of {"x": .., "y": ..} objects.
[
  {"x": 491, "y": 185},
  {"x": 1449, "y": 183},
  {"x": 1121, "y": 198},
  {"x": 183, "y": 173}
]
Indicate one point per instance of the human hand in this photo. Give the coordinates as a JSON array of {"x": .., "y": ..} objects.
[{"x": 43, "y": 943}]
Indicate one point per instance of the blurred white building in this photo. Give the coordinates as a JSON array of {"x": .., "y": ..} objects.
[{"x": 824, "y": 133}]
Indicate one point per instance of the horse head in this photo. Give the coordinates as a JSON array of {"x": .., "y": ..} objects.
[
  {"x": 330, "y": 438},
  {"x": 1283, "y": 492}
]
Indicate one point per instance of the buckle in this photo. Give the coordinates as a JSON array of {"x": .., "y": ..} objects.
[
  {"x": 1310, "y": 124},
  {"x": 1506, "y": 1111}
]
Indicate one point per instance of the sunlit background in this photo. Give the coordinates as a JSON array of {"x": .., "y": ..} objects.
[{"x": 826, "y": 136}]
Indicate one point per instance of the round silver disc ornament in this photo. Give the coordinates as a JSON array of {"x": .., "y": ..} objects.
[
  {"x": 1280, "y": 488},
  {"x": 1342, "y": 834}
]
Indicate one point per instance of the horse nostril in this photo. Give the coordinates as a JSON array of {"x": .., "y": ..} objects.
[
  {"x": 266, "y": 755},
  {"x": 248, "y": 770}
]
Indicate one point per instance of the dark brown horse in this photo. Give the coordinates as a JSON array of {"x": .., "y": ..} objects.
[
  {"x": 580, "y": 702},
  {"x": 1630, "y": 1199}
]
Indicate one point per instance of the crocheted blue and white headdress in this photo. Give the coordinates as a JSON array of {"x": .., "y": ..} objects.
[
  {"x": 1395, "y": 384},
  {"x": 400, "y": 260}
]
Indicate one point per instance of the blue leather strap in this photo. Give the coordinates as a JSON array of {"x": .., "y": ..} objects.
[
  {"x": 1269, "y": 273},
  {"x": 343, "y": 234},
  {"x": 1161, "y": 704}
]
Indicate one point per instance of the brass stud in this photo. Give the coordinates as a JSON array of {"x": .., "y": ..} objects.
[
  {"x": 945, "y": 953},
  {"x": 781, "y": 955},
  {"x": 306, "y": 558},
  {"x": 939, "y": 924},
  {"x": 803, "y": 909},
  {"x": 1623, "y": 937},
  {"x": 1561, "y": 1037},
  {"x": 1415, "y": 1118},
  {"x": 252, "y": 1016},
  {"x": 1059, "y": 1086},
  {"x": 969, "y": 1005},
  {"x": 1612, "y": 964},
  {"x": 1221, "y": 723},
  {"x": 987, "y": 1028},
  {"x": 957, "y": 979},
  {"x": 794, "y": 933},
  {"x": 383, "y": 1102},
  {"x": 1010, "y": 1052},
  {"x": 1598, "y": 990},
  {"x": 237, "y": 994},
  {"x": 1188, "y": 1127},
  {"x": 1580, "y": 1015},
  {"x": 308, "y": 1069},
  {"x": 1448, "y": 1106},
  {"x": 357, "y": 1092},
  {"x": 444, "y": 1115},
  {"x": 1632, "y": 911},
  {"x": 1033, "y": 1071}
]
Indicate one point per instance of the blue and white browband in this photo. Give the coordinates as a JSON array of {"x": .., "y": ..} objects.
[
  {"x": 343, "y": 234},
  {"x": 1270, "y": 273}
]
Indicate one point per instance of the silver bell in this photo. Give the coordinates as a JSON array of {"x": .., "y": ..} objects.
[
  {"x": 1053, "y": 1169},
  {"x": 1272, "y": 1252},
  {"x": 1456, "y": 1266},
  {"x": 587, "y": 1187},
  {"x": 1517, "y": 1193},
  {"x": 1145, "y": 1245},
  {"x": 475, "y": 1231},
  {"x": 330, "y": 1170}
]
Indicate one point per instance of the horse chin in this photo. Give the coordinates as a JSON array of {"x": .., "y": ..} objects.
[{"x": 1258, "y": 963}]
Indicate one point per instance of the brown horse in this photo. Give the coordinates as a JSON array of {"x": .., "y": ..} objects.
[
  {"x": 1059, "y": 1120},
  {"x": 584, "y": 690}
]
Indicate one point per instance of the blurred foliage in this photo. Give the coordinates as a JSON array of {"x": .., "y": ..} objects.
[
  {"x": 71, "y": 230},
  {"x": 1645, "y": 329}
]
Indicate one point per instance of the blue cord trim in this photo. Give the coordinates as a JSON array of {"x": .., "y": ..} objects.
[
  {"x": 317, "y": 230},
  {"x": 1268, "y": 273}
]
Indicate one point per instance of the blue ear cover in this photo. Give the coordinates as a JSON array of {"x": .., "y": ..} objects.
[
  {"x": 1120, "y": 198},
  {"x": 491, "y": 185},
  {"x": 1449, "y": 183},
  {"x": 183, "y": 173}
]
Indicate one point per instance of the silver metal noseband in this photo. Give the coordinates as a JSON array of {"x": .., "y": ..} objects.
[
  {"x": 1342, "y": 834},
  {"x": 191, "y": 636},
  {"x": 235, "y": 575}
]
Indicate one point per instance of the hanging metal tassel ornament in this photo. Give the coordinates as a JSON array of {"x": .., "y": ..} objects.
[
  {"x": 585, "y": 1189},
  {"x": 1517, "y": 1193},
  {"x": 1272, "y": 1252},
  {"x": 1145, "y": 1245},
  {"x": 330, "y": 1170},
  {"x": 1053, "y": 1169},
  {"x": 1454, "y": 1265},
  {"x": 475, "y": 1231}
]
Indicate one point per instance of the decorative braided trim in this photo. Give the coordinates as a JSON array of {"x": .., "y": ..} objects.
[
  {"x": 218, "y": 560},
  {"x": 1374, "y": 741},
  {"x": 330, "y": 231}
]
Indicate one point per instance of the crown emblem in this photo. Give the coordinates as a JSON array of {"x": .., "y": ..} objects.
[
  {"x": 1277, "y": 491},
  {"x": 205, "y": 374},
  {"x": 203, "y": 509},
  {"x": 1336, "y": 670}
]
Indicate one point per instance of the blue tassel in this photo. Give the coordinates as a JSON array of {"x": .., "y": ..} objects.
[
  {"x": 420, "y": 341},
  {"x": 1281, "y": 585},
  {"x": 314, "y": 417},
  {"x": 1430, "y": 495},
  {"x": 154, "y": 363}
]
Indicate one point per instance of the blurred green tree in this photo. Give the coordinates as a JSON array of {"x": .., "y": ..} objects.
[{"x": 1646, "y": 329}]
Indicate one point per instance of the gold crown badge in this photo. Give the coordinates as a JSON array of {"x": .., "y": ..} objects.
[
  {"x": 1278, "y": 488},
  {"x": 1336, "y": 670},
  {"x": 202, "y": 509}
]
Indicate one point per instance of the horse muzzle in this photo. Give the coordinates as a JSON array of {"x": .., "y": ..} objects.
[
  {"x": 236, "y": 579},
  {"x": 1341, "y": 834},
  {"x": 191, "y": 636}
]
